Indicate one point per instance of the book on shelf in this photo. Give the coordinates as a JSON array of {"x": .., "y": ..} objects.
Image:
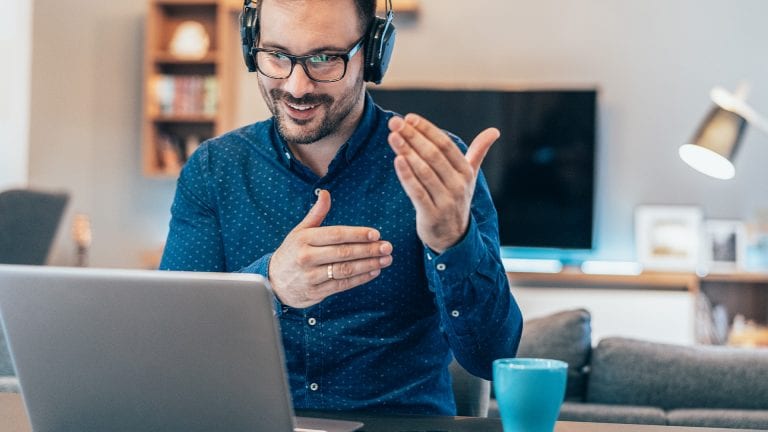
[
  {"x": 174, "y": 150},
  {"x": 186, "y": 95}
]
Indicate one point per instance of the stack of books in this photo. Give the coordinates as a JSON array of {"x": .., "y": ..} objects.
[{"x": 186, "y": 95}]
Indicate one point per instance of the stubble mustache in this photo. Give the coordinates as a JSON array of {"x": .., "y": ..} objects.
[{"x": 308, "y": 99}]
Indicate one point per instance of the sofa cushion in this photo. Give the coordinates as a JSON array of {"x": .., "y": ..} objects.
[
  {"x": 565, "y": 336},
  {"x": 627, "y": 414},
  {"x": 741, "y": 419},
  {"x": 633, "y": 372}
]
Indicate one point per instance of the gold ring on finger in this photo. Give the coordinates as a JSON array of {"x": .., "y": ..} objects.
[{"x": 330, "y": 271}]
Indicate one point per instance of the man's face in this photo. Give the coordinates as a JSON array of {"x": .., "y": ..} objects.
[{"x": 307, "y": 111}]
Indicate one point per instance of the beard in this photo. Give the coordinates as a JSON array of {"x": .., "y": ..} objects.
[{"x": 334, "y": 112}]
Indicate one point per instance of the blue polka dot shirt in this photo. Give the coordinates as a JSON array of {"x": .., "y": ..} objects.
[{"x": 383, "y": 346}]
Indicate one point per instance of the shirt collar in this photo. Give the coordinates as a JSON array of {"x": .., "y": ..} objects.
[{"x": 357, "y": 141}]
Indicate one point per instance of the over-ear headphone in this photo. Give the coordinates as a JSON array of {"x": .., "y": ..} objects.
[{"x": 379, "y": 41}]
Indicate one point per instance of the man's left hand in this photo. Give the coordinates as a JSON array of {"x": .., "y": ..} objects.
[{"x": 437, "y": 177}]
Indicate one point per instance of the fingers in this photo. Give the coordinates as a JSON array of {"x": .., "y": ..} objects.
[
  {"x": 440, "y": 139},
  {"x": 420, "y": 133},
  {"x": 350, "y": 269},
  {"x": 423, "y": 143},
  {"x": 333, "y": 286},
  {"x": 480, "y": 146},
  {"x": 317, "y": 213},
  {"x": 339, "y": 234},
  {"x": 418, "y": 194},
  {"x": 328, "y": 254}
]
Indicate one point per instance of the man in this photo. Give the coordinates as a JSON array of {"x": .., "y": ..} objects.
[{"x": 382, "y": 253}]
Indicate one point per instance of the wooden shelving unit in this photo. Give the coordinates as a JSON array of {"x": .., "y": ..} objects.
[
  {"x": 573, "y": 277},
  {"x": 186, "y": 100},
  {"x": 741, "y": 293}
]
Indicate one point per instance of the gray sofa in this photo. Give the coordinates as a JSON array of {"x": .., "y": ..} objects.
[{"x": 631, "y": 381}]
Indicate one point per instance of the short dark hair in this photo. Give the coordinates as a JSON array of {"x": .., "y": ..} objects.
[{"x": 366, "y": 12}]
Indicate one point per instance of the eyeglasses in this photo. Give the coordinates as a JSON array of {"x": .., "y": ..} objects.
[{"x": 320, "y": 67}]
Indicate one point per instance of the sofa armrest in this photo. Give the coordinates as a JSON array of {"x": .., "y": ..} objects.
[{"x": 564, "y": 336}]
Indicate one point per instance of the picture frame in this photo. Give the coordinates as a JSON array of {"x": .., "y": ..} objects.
[
  {"x": 724, "y": 245},
  {"x": 667, "y": 238}
]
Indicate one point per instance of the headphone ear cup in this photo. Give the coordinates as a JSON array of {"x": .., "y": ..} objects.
[
  {"x": 249, "y": 29},
  {"x": 378, "y": 49},
  {"x": 371, "y": 45}
]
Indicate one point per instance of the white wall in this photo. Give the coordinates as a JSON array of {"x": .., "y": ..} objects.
[
  {"x": 661, "y": 316},
  {"x": 15, "y": 44},
  {"x": 86, "y": 130}
]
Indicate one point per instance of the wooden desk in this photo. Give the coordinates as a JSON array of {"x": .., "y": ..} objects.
[
  {"x": 12, "y": 415},
  {"x": 14, "y": 419}
]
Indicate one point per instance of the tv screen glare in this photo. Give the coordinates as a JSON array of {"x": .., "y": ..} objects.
[{"x": 541, "y": 171}]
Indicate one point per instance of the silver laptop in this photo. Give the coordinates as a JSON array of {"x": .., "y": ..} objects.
[{"x": 131, "y": 350}]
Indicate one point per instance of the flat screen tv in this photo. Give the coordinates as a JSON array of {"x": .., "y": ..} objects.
[{"x": 541, "y": 172}]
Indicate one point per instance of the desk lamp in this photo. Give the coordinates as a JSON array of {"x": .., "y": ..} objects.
[{"x": 713, "y": 147}]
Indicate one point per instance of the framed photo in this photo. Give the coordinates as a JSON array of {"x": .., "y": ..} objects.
[
  {"x": 667, "y": 237},
  {"x": 724, "y": 245}
]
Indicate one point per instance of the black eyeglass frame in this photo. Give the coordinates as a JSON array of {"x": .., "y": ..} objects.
[{"x": 302, "y": 60}]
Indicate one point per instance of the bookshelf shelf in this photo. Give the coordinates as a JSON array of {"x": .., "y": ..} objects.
[
  {"x": 741, "y": 293},
  {"x": 192, "y": 118},
  {"x": 168, "y": 58}
]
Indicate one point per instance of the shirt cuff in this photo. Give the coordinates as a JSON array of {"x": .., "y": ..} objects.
[
  {"x": 458, "y": 262},
  {"x": 261, "y": 267}
]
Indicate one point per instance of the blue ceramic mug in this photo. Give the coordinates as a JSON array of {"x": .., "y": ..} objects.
[{"x": 529, "y": 393}]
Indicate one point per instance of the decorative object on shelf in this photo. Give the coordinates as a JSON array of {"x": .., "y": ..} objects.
[
  {"x": 190, "y": 145},
  {"x": 713, "y": 147},
  {"x": 171, "y": 154},
  {"x": 190, "y": 41},
  {"x": 711, "y": 322},
  {"x": 667, "y": 237},
  {"x": 747, "y": 334},
  {"x": 82, "y": 235},
  {"x": 757, "y": 243},
  {"x": 724, "y": 246}
]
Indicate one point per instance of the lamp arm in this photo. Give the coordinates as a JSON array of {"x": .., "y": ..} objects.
[
  {"x": 759, "y": 121},
  {"x": 735, "y": 103}
]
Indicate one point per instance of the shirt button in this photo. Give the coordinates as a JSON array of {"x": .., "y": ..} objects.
[
  {"x": 441, "y": 267},
  {"x": 312, "y": 321},
  {"x": 287, "y": 155},
  {"x": 455, "y": 314},
  {"x": 317, "y": 192},
  {"x": 314, "y": 386}
]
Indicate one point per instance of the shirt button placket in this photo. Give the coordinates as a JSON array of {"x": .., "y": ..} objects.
[{"x": 313, "y": 372}]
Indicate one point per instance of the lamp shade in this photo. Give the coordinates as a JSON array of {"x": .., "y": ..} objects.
[{"x": 715, "y": 143}]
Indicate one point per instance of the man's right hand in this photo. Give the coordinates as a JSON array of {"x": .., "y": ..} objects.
[{"x": 314, "y": 262}]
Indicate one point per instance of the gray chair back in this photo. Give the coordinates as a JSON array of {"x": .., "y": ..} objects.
[
  {"x": 28, "y": 223},
  {"x": 472, "y": 394}
]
